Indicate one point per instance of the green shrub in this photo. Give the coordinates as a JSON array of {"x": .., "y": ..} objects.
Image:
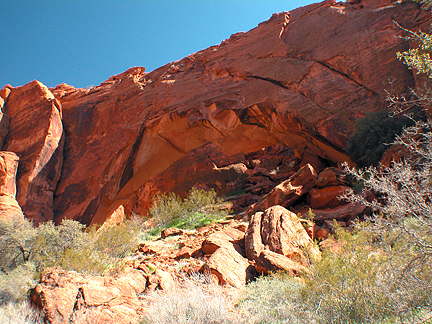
[
  {"x": 198, "y": 209},
  {"x": 367, "y": 279},
  {"x": 367, "y": 144},
  {"x": 26, "y": 251}
]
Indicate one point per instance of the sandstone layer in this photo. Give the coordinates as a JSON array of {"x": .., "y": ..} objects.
[
  {"x": 299, "y": 80},
  {"x": 9, "y": 207}
]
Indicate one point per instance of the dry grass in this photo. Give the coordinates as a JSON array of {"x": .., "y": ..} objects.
[
  {"x": 195, "y": 300},
  {"x": 20, "y": 313}
]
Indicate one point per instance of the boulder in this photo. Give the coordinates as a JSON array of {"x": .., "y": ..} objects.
[
  {"x": 288, "y": 191},
  {"x": 171, "y": 231},
  {"x": 229, "y": 266},
  {"x": 67, "y": 295},
  {"x": 321, "y": 233},
  {"x": 331, "y": 177},
  {"x": 226, "y": 237},
  {"x": 269, "y": 261},
  {"x": 165, "y": 280},
  {"x": 280, "y": 231},
  {"x": 326, "y": 197},
  {"x": 345, "y": 212}
]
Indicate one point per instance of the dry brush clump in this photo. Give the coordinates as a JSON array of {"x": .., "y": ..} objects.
[
  {"x": 27, "y": 250},
  {"x": 195, "y": 300},
  {"x": 20, "y": 313}
]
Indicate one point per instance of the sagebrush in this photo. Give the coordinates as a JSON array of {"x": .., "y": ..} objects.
[{"x": 27, "y": 250}]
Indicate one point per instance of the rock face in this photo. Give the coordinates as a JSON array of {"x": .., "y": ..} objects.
[
  {"x": 8, "y": 167},
  {"x": 35, "y": 134},
  {"x": 285, "y": 82},
  {"x": 326, "y": 197}
]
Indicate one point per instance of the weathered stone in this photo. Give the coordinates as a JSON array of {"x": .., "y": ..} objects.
[
  {"x": 321, "y": 233},
  {"x": 331, "y": 177},
  {"x": 326, "y": 197},
  {"x": 280, "y": 231},
  {"x": 171, "y": 231},
  {"x": 269, "y": 261},
  {"x": 67, "y": 295},
  {"x": 185, "y": 252},
  {"x": 8, "y": 167},
  {"x": 227, "y": 236},
  {"x": 229, "y": 266},
  {"x": 36, "y": 136},
  {"x": 345, "y": 212},
  {"x": 288, "y": 191},
  {"x": 165, "y": 279}
]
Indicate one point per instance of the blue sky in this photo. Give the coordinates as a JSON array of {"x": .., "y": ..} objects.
[{"x": 83, "y": 43}]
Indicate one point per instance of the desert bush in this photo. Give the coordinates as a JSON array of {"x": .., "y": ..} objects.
[
  {"x": 15, "y": 284},
  {"x": 360, "y": 280},
  {"x": 16, "y": 237},
  {"x": 20, "y": 313},
  {"x": 198, "y": 209},
  {"x": 368, "y": 280},
  {"x": 367, "y": 144},
  {"x": 26, "y": 251},
  {"x": 273, "y": 299},
  {"x": 196, "y": 300}
]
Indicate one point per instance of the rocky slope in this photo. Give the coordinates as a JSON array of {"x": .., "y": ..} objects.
[
  {"x": 298, "y": 80},
  {"x": 230, "y": 253}
]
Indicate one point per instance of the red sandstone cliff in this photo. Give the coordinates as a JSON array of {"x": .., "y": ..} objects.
[{"x": 299, "y": 80}]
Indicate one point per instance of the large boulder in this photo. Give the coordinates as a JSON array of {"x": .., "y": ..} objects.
[
  {"x": 66, "y": 296},
  {"x": 226, "y": 237},
  {"x": 229, "y": 266},
  {"x": 280, "y": 231}
]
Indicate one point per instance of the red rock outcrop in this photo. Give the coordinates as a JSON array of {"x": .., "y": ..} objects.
[
  {"x": 285, "y": 82},
  {"x": 326, "y": 197},
  {"x": 8, "y": 167},
  {"x": 35, "y": 134},
  {"x": 66, "y": 296}
]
